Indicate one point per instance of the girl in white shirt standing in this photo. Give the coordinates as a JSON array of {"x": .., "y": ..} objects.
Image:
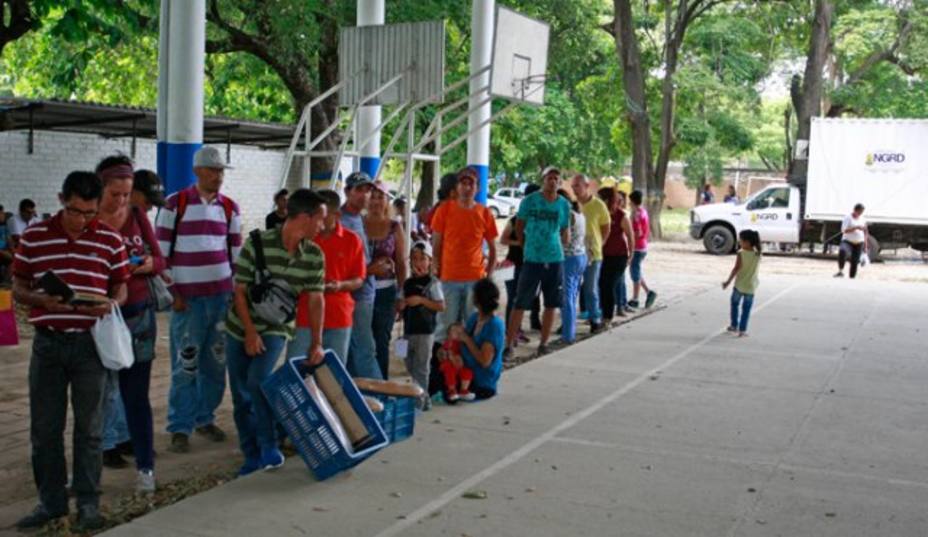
[{"x": 854, "y": 239}]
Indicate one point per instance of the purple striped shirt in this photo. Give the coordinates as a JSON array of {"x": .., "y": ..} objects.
[{"x": 200, "y": 263}]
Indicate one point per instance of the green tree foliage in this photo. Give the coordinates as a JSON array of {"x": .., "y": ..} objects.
[{"x": 268, "y": 57}]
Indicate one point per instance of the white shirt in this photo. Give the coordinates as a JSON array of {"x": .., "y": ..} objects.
[
  {"x": 17, "y": 225},
  {"x": 857, "y": 236}
]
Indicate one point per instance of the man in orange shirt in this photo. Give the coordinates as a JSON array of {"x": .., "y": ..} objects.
[
  {"x": 460, "y": 228},
  {"x": 345, "y": 271}
]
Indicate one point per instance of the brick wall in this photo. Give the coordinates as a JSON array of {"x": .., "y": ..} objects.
[{"x": 38, "y": 176}]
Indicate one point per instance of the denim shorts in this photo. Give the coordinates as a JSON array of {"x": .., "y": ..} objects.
[
  {"x": 533, "y": 275},
  {"x": 635, "y": 268}
]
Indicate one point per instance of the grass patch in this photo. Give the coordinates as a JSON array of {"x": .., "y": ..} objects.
[{"x": 675, "y": 221}]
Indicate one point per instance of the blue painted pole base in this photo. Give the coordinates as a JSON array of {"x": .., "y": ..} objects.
[
  {"x": 370, "y": 165},
  {"x": 483, "y": 182},
  {"x": 175, "y": 165}
]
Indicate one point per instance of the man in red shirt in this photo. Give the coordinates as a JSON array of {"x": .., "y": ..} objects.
[
  {"x": 90, "y": 258},
  {"x": 345, "y": 270}
]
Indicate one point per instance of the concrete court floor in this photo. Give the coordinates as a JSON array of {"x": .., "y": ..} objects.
[{"x": 815, "y": 425}]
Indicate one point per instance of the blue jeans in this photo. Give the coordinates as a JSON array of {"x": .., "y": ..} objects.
[
  {"x": 745, "y": 301},
  {"x": 635, "y": 267},
  {"x": 253, "y": 416},
  {"x": 591, "y": 290},
  {"x": 458, "y": 306},
  {"x": 336, "y": 339},
  {"x": 362, "y": 357},
  {"x": 382, "y": 326},
  {"x": 621, "y": 292},
  {"x": 574, "y": 267},
  {"x": 115, "y": 430},
  {"x": 198, "y": 363}
]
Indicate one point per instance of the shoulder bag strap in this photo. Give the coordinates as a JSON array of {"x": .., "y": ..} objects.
[{"x": 260, "y": 262}]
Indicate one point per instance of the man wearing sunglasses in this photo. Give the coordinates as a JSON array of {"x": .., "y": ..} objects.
[{"x": 90, "y": 258}]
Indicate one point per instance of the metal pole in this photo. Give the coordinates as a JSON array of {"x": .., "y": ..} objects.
[
  {"x": 478, "y": 144},
  {"x": 370, "y": 13},
  {"x": 181, "y": 93}
]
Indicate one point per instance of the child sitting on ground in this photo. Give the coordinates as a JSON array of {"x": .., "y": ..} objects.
[
  {"x": 457, "y": 377},
  {"x": 747, "y": 265},
  {"x": 422, "y": 300}
]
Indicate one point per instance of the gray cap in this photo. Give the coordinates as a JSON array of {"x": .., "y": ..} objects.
[{"x": 209, "y": 157}]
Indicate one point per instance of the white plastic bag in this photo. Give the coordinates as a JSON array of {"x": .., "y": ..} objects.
[
  {"x": 864, "y": 259},
  {"x": 113, "y": 340}
]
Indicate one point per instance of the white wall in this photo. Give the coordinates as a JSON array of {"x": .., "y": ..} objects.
[{"x": 38, "y": 176}]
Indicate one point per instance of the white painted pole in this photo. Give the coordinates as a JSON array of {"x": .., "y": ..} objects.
[
  {"x": 182, "y": 50},
  {"x": 478, "y": 144},
  {"x": 370, "y": 13}
]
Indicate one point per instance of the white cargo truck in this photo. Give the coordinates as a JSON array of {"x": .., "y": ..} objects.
[{"x": 881, "y": 163}]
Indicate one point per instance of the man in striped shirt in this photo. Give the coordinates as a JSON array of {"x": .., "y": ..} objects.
[
  {"x": 199, "y": 231},
  {"x": 254, "y": 344},
  {"x": 90, "y": 258}
]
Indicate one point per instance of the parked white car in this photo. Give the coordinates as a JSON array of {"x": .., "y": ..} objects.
[
  {"x": 510, "y": 195},
  {"x": 500, "y": 208}
]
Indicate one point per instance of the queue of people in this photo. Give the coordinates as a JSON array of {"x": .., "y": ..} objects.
[{"x": 343, "y": 271}]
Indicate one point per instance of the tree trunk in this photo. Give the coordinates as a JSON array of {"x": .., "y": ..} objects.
[
  {"x": 633, "y": 82},
  {"x": 426, "y": 196},
  {"x": 328, "y": 77},
  {"x": 20, "y": 21},
  {"x": 808, "y": 102}
]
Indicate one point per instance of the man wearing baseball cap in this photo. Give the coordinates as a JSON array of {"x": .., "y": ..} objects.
[
  {"x": 200, "y": 233},
  {"x": 362, "y": 356},
  {"x": 461, "y": 227},
  {"x": 542, "y": 227}
]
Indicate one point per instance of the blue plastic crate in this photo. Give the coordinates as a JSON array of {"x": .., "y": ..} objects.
[
  {"x": 398, "y": 418},
  {"x": 309, "y": 431}
]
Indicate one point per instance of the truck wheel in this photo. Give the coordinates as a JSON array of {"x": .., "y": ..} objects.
[
  {"x": 719, "y": 240},
  {"x": 873, "y": 248}
]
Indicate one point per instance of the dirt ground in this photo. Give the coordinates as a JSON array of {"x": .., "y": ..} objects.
[{"x": 677, "y": 268}]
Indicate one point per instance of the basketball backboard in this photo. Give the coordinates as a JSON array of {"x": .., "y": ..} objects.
[
  {"x": 380, "y": 53},
  {"x": 520, "y": 57}
]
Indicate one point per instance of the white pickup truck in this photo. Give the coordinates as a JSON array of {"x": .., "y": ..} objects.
[{"x": 881, "y": 163}]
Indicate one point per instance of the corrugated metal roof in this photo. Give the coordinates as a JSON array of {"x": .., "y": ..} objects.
[{"x": 120, "y": 121}]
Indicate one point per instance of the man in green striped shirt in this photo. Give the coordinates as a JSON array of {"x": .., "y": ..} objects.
[{"x": 253, "y": 344}]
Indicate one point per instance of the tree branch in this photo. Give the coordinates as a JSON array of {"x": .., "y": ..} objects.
[
  {"x": 881, "y": 55},
  {"x": 21, "y": 21}
]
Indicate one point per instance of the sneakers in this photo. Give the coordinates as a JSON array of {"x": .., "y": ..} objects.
[
  {"x": 632, "y": 304},
  {"x": 212, "y": 432},
  {"x": 583, "y": 316},
  {"x": 732, "y": 329},
  {"x": 542, "y": 349},
  {"x": 839, "y": 274},
  {"x": 596, "y": 328},
  {"x": 38, "y": 518},
  {"x": 522, "y": 338},
  {"x": 466, "y": 396},
  {"x": 88, "y": 518},
  {"x": 113, "y": 459},
  {"x": 649, "y": 301},
  {"x": 180, "y": 443},
  {"x": 251, "y": 466},
  {"x": 424, "y": 403},
  {"x": 271, "y": 459},
  {"x": 507, "y": 354},
  {"x": 145, "y": 482}
]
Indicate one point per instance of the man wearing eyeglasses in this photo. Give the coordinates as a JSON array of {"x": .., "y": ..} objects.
[{"x": 90, "y": 258}]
